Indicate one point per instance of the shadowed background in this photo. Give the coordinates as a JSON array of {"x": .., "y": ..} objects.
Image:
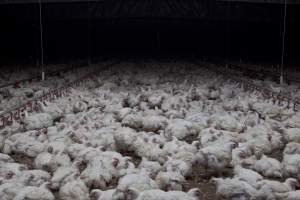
[{"x": 210, "y": 29}]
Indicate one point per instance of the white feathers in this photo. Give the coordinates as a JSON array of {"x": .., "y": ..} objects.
[
  {"x": 193, "y": 194},
  {"x": 143, "y": 134},
  {"x": 294, "y": 121},
  {"x": 79, "y": 106},
  {"x": 36, "y": 193},
  {"x": 37, "y": 121},
  {"x": 140, "y": 181},
  {"x": 234, "y": 189},
  {"x": 170, "y": 180},
  {"x": 74, "y": 190},
  {"x": 292, "y": 135},
  {"x": 180, "y": 128},
  {"x": 151, "y": 167},
  {"x": 247, "y": 175},
  {"x": 291, "y": 164},
  {"x": 52, "y": 109},
  {"x": 268, "y": 167}
]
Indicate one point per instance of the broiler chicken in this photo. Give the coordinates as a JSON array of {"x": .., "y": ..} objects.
[
  {"x": 170, "y": 180},
  {"x": 180, "y": 128},
  {"x": 193, "y": 194},
  {"x": 74, "y": 190},
  {"x": 52, "y": 109},
  {"x": 229, "y": 189},
  {"x": 247, "y": 175},
  {"x": 151, "y": 167},
  {"x": 37, "y": 121},
  {"x": 35, "y": 193},
  {"x": 140, "y": 181},
  {"x": 268, "y": 167},
  {"x": 278, "y": 187}
]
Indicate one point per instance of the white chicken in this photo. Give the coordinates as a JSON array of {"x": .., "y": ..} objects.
[
  {"x": 74, "y": 190},
  {"x": 155, "y": 99},
  {"x": 294, "y": 121},
  {"x": 24, "y": 144},
  {"x": 291, "y": 165},
  {"x": 79, "y": 106},
  {"x": 293, "y": 195},
  {"x": 133, "y": 121},
  {"x": 216, "y": 157},
  {"x": 176, "y": 146},
  {"x": 247, "y": 175},
  {"x": 242, "y": 155},
  {"x": 4, "y": 158},
  {"x": 122, "y": 113},
  {"x": 124, "y": 138},
  {"x": 50, "y": 162},
  {"x": 179, "y": 166},
  {"x": 188, "y": 118},
  {"x": 193, "y": 194},
  {"x": 35, "y": 193},
  {"x": 37, "y": 121},
  {"x": 32, "y": 177},
  {"x": 150, "y": 150},
  {"x": 52, "y": 109},
  {"x": 174, "y": 103},
  {"x": 290, "y": 184},
  {"x": 96, "y": 174},
  {"x": 268, "y": 167},
  {"x": 9, "y": 191},
  {"x": 154, "y": 123},
  {"x": 97, "y": 194},
  {"x": 180, "y": 128},
  {"x": 292, "y": 135},
  {"x": 151, "y": 167},
  {"x": 170, "y": 180},
  {"x": 228, "y": 123},
  {"x": 63, "y": 175},
  {"x": 140, "y": 181},
  {"x": 233, "y": 189},
  {"x": 211, "y": 136},
  {"x": 292, "y": 148},
  {"x": 12, "y": 168}
]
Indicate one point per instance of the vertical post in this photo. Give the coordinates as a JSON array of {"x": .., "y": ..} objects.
[
  {"x": 89, "y": 33},
  {"x": 41, "y": 41},
  {"x": 281, "y": 79},
  {"x": 227, "y": 33},
  {"x": 36, "y": 46},
  {"x": 283, "y": 43}
]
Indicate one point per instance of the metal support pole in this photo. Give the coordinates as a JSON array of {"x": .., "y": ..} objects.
[
  {"x": 283, "y": 43},
  {"x": 41, "y": 41},
  {"x": 89, "y": 34},
  {"x": 227, "y": 33}
]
